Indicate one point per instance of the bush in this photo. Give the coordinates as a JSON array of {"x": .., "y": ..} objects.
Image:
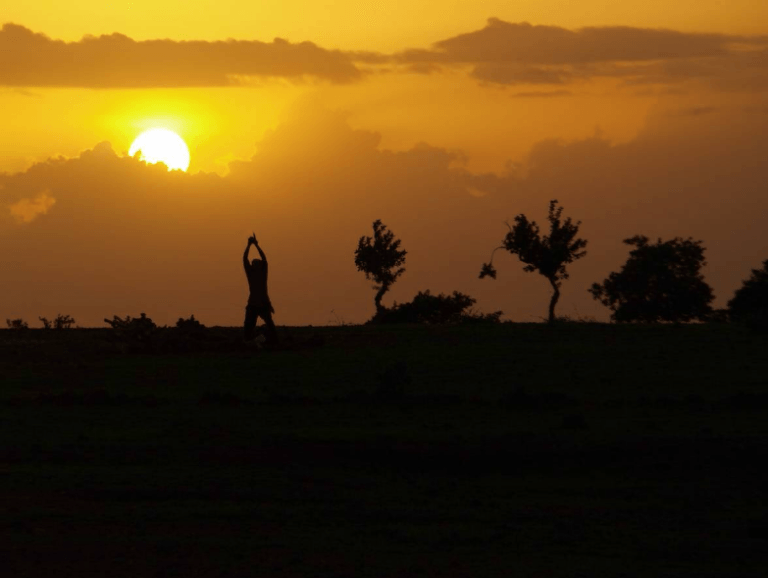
[
  {"x": 134, "y": 332},
  {"x": 435, "y": 309},
  {"x": 191, "y": 325},
  {"x": 16, "y": 324},
  {"x": 188, "y": 335},
  {"x": 60, "y": 322},
  {"x": 750, "y": 303}
]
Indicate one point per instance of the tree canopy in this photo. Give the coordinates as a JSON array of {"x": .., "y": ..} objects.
[
  {"x": 381, "y": 259},
  {"x": 751, "y": 299},
  {"x": 549, "y": 255},
  {"x": 659, "y": 282}
]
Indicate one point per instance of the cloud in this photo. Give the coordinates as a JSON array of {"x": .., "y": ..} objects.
[
  {"x": 501, "y": 53},
  {"x": 126, "y": 237},
  {"x": 524, "y": 43},
  {"x": 27, "y": 210},
  {"x": 508, "y": 53},
  {"x": 28, "y": 59}
]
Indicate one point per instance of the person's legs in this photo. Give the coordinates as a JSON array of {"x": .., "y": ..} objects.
[
  {"x": 249, "y": 326},
  {"x": 270, "y": 330}
]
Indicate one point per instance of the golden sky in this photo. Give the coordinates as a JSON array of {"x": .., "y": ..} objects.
[{"x": 306, "y": 122}]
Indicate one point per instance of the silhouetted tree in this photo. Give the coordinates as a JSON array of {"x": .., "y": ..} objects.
[
  {"x": 381, "y": 259},
  {"x": 751, "y": 300},
  {"x": 549, "y": 255},
  {"x": 659, "y": 282},
  {"x": 16, "y": 323}
]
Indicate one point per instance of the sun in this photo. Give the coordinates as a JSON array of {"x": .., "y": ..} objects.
[{"x": 162, "y": 145}]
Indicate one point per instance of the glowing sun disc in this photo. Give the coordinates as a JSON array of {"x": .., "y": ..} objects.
[{"x": 162, "y": 145}]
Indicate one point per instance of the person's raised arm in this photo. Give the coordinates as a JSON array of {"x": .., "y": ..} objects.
[
  {"x": 261, "y": 253},
  {"x": 263, "y": 257},
  {"x": 246, "y": 264}
]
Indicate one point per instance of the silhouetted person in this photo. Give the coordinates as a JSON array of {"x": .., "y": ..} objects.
[{"x": 259, "y": 304}]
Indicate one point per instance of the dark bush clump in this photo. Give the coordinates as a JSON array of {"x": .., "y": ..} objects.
[
  {"x": 134, "y": 332},
  {"x": 750, "y": 303},
  {"x": 16, "y": 324},
  {"x": 435, "y": 309},
  {"x": 191, "y": 325},
  {"x": 188, "y": 335},
  {"x": 60, "y": 322}
]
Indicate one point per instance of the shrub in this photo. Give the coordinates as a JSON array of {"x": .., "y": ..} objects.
[
  {"x": 16, "y": 324},
  {"x": 435, "y": 309},
  {"x": 190, "y": 325},
  {"x": 135, "y": 332},
  {"x": 60, "y": 322}
]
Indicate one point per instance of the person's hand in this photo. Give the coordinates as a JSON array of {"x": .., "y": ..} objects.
[{"x": 252, "y": 240}]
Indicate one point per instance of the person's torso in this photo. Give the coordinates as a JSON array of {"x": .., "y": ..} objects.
[{"x": 257, "y": 283}]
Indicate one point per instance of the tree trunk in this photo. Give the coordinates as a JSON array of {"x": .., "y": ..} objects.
[
  {"x": 377, "y": 300},
  {"x": 553, "y": 301}
]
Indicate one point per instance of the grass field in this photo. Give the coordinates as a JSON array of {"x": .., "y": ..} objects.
[{"x": 477, "y": 450}]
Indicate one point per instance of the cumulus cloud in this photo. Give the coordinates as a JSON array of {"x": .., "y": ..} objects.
[
  {"x": 27, "y": 210},
  {"x": 507, "y": 53},
  {"x": 29, "y": 59},
  {"x": 126, "y": 237}
]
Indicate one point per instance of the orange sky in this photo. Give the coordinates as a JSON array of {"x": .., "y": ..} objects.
[{"x": 306, "y": 123}]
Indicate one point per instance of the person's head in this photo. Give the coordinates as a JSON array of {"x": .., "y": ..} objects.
[{"x": 257, "y": 264}]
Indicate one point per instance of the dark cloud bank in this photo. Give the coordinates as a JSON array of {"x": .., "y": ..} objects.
[
  {"x": 508, "y": 53},
  {"x": 501, "y": 53},
  {"x": 115, "y": 61}
]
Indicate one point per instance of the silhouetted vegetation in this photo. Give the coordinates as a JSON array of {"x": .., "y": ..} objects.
[
  {"x": 435, "y": 309},
  {"x": 750, "y": 303},
  {"x": 381, "y": 259},
  {"x": 60, "y": 322},
  {"x": 659, "y": 282},
  {"x": 190, "y": 325},
  {"x": 549, "y": 255},
  {"x": 16, "y": 323},
  {"x": 135, "y": 332}
]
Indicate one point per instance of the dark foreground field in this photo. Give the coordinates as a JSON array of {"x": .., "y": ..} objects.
[{"x": 520, "y": 450}]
